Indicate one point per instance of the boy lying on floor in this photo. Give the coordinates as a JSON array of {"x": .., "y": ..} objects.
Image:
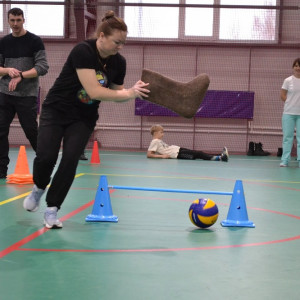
[{"x": 159, "y": 149}]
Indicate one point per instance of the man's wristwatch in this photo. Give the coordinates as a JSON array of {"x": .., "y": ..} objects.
[{"x": 21, "y": 75}]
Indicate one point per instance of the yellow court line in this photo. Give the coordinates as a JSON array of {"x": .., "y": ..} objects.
[
  {"x": 14, "y": 198},
  {"x": 151, "y": 176},
  {"x": 194, "y": 178},
  {"x": 25, "y": 194},
  {"x": 80, "y": 174}
]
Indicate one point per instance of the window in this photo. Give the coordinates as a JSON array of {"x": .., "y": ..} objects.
[
  {"x": 248, "y": 24},
  {"x": 152, "y": 22},
  {"x": 180, "y": 22},
  {"x": 43, "y": 20},
  {"x": 199, "y": 21}
]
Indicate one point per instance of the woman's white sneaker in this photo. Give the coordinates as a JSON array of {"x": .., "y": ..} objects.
[
  {"x": 32, "y": 201},
  {"x": 50, "y": 218}
]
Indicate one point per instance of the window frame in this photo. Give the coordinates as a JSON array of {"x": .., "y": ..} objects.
[
  {"x": 215, "y": 37},
  {"x": 120, "y": 5}
]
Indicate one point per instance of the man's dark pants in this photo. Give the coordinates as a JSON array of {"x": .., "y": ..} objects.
[{"x": 26, "y": 109}]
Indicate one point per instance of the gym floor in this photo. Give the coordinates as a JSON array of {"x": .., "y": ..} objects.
[{"x": 154, "y": 251}]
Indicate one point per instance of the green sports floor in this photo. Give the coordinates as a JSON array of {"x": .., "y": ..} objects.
[{"x": 154, "y": 252}]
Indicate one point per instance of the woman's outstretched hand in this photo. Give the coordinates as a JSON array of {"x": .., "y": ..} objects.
[{"x": 139, "y": 90}]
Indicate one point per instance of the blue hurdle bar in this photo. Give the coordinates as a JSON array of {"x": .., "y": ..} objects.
[
  {"x": 118, "y": 187},
  {"x": 237, "y": 215}
]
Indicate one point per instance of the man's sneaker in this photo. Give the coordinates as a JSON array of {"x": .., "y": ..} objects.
[
  {"x": 50, "y": 218},
  {"x": 224, "y": 155},
  {"x": 32, "y": 201},
  {"x": 83, "y": 157}
]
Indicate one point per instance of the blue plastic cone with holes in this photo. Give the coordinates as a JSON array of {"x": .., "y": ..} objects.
[
  {"x": 237, "y": 215},
  {"x": 102, "y": 210}
]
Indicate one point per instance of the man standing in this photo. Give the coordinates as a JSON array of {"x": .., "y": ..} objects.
[{"x": 22, "y": 61}]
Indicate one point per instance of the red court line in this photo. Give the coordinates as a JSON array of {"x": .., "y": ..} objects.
[
  {"x": 178, "y": 249},
  {"x": 22, "y": 242},
  {"x": 276, "y": 212},
  {"x": 76, "y": 211},
  {"x": 41, "y": 231}
]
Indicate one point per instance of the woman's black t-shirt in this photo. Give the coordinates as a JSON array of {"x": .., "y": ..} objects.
[{"x": 67, "y": 94}]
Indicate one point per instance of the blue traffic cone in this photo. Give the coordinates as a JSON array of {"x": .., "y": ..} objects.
[
  {"x": 237, "y": 215},
  {"x": 102, "y": 210}
]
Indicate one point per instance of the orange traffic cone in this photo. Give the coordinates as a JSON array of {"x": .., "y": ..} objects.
[
  {"x": 95, "y": 159},
  {"x": 22, "y": 174}
]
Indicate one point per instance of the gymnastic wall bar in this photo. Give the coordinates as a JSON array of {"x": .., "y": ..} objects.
[{"x": 118, "y": 187}]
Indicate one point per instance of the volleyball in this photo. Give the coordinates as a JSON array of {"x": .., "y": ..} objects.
[{"x": 203, "y": 213}]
